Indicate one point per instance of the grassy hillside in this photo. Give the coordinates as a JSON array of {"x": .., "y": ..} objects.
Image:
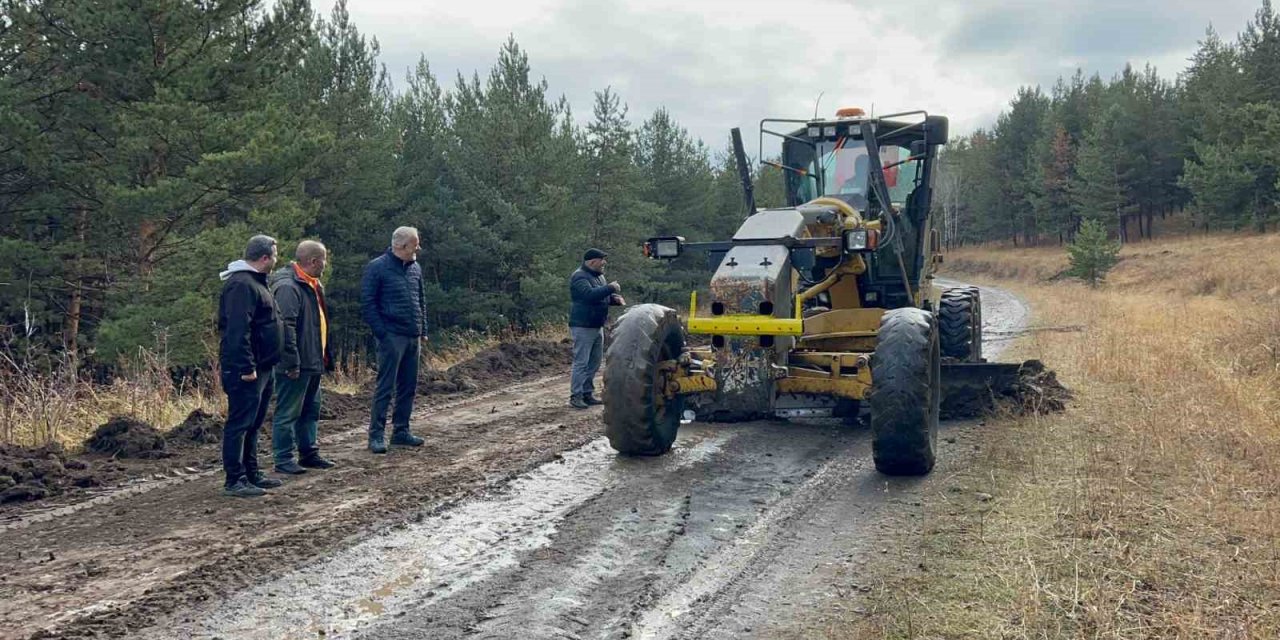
[{"x": 1151, "y": 508}]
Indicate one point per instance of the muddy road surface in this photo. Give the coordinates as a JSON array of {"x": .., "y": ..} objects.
[{"x": 517, "y": 520}]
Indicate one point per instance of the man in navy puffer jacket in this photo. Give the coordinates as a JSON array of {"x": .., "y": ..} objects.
[
  {"x": 393, "y": 303},
  {"x": 589, "y": 311}
]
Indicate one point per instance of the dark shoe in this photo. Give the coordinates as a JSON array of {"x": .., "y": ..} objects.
[
  {"x": 290, "y": 468},
  {"x": 242, "y": 489},
  {"x": 377, "y": 445},
  {"x": 263, "y": 482},
  {"x": 577, "y": 402},
  {"x": 591, "y": 399},
  {"x": 406, "y": 439},
  {"x": 316, "y": 462}
]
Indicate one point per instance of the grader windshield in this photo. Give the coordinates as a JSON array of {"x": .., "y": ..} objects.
[
  {"x": 831, "y": 157},
  {"x": 844, "y": 170}
]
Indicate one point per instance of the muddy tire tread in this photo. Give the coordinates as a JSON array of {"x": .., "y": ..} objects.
[
  {"x": 631, "y": 420},
  {"x": 904, "y": 390},
  {"x": 960, "y": 324}
]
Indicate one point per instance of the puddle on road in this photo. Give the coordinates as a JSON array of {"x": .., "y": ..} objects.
[
  {"x": 430, "y": 560},
  {"x": 1005, "y": 318}
]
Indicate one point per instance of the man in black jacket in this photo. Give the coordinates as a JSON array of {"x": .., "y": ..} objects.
[
  {"x": 393, "y": 303},
  {"x": 588, "y": 313},
  {"x": 304, "y": 358},
  {"x": 250, "y": 347}
]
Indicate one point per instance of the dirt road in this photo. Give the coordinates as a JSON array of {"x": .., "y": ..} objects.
[{"x": 516, "y": 521}]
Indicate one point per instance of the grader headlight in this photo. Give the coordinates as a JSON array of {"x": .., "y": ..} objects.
[
  {"x": 860, "y": 240},
  {"x": 664, "y": 248}
]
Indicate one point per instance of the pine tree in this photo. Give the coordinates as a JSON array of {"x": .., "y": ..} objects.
[
  {"x": 1230, "y": 104},
  {"x": 1015, "y": 138},
  {"x": 1235, "y": 183},
  {"x": 676, "y": 174},
  {"x": 1213, "y": 86},
  {"x": 1260, "y": 55},
  {"x": 1100, "y": 194},
  {"x": 136, "y": 129},
  {"x": 676, "y": 171},
  {"x": 1052, "y": 198},
  {"x": 1093, "y": 253},
  {"x": 513, "y": 164},
  {"x": 616, "y": 217}
]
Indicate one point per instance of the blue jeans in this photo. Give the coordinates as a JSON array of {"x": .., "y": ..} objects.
[
  {"x": 247, "y": 404},
  {"x": 398, "y": 376},
  {"x": 588, "y": 350},
  {"x": 297, "y": 412}
]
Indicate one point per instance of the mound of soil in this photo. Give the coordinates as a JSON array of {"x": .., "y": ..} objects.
[
  {"x": 338, "y": 405},
  {"x": 125, "y": 437},
  {"x": 33, "y": 473},
  {"x": 502, "y": 364},
  {"x": 434, "y": 381},
  {"x": 1035, "y": 390},
  {"x": 200, "y": 427}
]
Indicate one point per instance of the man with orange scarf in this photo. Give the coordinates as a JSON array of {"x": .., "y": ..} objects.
[{"x": 305, "y": 357}]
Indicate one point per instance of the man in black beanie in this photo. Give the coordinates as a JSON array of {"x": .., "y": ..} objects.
[{"x": 589, "y": 311}]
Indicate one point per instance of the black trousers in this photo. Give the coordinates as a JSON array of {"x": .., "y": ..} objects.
[
  {"x": 397, "y": 376},
  {"x": 247, "y": 404}
]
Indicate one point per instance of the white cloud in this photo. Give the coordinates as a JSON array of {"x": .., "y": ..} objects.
[{"x": 717, "y": 64}]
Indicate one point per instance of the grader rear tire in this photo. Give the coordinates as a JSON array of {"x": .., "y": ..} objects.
[
  {"x": 906, "y": 374},
  {"x": 960, "y": 324},
  {"x": 637, "y": 419}
]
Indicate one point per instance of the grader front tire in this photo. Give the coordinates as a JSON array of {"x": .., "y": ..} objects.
[
  {"x": 638, "y": 420},
  {"x": 905, "y": 393}
]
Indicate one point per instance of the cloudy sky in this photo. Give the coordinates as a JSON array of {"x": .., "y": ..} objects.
[{"x": 716, "y": 64}]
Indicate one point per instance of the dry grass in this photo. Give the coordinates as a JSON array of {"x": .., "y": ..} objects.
[
  {"x": 42, "y": 402},
  {"x": 36, "y": 407},
  {"x": 1006, "y": 263},
  {"x": 1236, "y": 266},
  {"x": 350, "y": 381},
  {"x": 1151, "y": 508}
]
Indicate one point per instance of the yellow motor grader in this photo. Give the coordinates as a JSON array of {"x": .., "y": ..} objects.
[{"x": 823, "y": 308}]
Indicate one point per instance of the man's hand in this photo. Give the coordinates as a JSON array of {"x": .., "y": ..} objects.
[
  {"x": 619, "y": 300},
  {"x": 617, "y": 288},
  {"x": 293, "y": 374},
  {"x": 249, "y": 377}
]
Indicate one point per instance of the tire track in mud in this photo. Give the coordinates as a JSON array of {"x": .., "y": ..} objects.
[
  {"x": 426, "y": 561},
  {"x": 770, "y": 572},
  {"x": 797, "y": 571},
  {"x": 110, "y": 571},
  {"x": 694, "y": 600},
  {"x": 639, "y": 537}
]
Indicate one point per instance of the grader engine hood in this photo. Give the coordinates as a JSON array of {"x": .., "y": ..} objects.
[
  {"x": 753, "y": 280},
  {"x": 751, "y": 275}
]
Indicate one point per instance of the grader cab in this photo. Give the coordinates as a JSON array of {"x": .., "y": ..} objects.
[{"x": 823, "y": 308}]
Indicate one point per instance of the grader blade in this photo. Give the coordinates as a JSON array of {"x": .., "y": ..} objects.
[{"x": 971, "y": 388}]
